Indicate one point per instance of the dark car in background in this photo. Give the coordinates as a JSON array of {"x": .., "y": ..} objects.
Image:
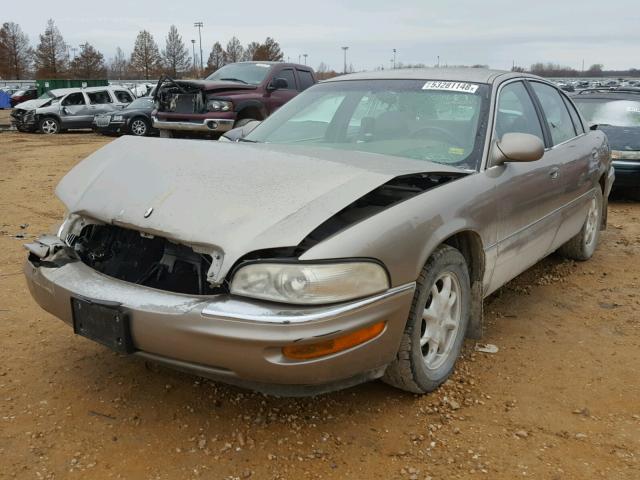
[
  {"x": 231, "y": 97},
  {"x": 29, "y": 93},
  {"x": 135, "y": 119},
  {"x": 617, "y": 113}
]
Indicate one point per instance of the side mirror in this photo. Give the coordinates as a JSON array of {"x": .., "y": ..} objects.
[
  {"x": 517, "y": 147},
  {"x": 237, "y": 134},
  {"x": 593, "y": 127},
  {"x": 278, "y": 83}
]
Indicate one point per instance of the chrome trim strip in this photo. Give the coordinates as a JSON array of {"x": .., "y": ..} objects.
[
  {"x": 241, "y": 310},
  {"x": 223, "y": 125}
]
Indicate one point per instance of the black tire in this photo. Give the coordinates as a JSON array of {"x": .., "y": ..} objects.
[
  {"x": 139, "y": 127},
  {"x": 584, "y": 244},
  {"x": 409, "y": 370},
  {"x": 49, "y": 126},
  {"x": 166, "y": 133},
  {"x": 243, "y": 121}
]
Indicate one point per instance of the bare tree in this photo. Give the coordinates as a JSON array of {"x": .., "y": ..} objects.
[
  {"x": 89, "y": 63},
  {"x": 16, "y": 55},
  {"x": 269, "y": 51},
  {"x": 145, "y": 58},
  {"x": 234, "y": 51},
  {"x": 175, "y": 54},
  {"x": 118, "y": 65},
  {"x": 250, "y": 51},
  {"x": 216, "y": 58},
  {"x": 51, "y": 54}
]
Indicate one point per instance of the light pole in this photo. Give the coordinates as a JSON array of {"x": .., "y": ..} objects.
[
  {"x": 305, "y": 55},
  {"x": 345, "y": 58},
  {"x": 394, "y": 58},
  {"x": 195, "y": 64},
  {"x": 438, "y": 61},
  {"x": 199, "y": 25}
]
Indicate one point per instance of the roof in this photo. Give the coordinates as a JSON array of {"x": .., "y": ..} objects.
[
  {"x": 288, "y": 64},
  {"x": 465, "y": 74}
]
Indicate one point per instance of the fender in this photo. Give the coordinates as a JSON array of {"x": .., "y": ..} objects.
[{"x": 252, "y": 103}]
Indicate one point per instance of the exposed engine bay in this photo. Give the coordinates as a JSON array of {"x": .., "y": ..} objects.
[
  {"x": 144, "y": 259},
  {"x": 179, "y": 96}
]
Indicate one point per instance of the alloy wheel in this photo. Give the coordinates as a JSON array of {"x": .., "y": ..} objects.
[
  {"x": 49, "y": 126},
  {"x": 138, "y": 128}
]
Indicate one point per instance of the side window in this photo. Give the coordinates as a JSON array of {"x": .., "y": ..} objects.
[
  {"x": 574, "y": 116},
  {"x": 555, "y": 110},
  {"x": 123, "y": 97},
  {"x": 74, "y": 99},
  {"x": 516, "y": 113},
  {"x": 287, "y": 74},
  {"x": 99, "y": 98},
  {"x": 306, "y": 79}
]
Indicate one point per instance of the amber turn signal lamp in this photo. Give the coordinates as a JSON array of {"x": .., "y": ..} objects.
[{"x": 338, "y": 344}]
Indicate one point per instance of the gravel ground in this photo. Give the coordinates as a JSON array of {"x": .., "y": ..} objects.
[{"x": 559, "y": 400}]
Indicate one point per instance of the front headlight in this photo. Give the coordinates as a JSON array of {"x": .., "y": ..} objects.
[
  {"x": 117, "y": 118},
  {"x": 219, "y": 105},
  {"x": 305, "y": 283}
]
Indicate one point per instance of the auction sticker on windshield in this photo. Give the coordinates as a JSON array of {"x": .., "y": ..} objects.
[{"x": 451, "y": 86}]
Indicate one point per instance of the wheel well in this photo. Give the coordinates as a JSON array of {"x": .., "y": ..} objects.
[
  {"x": 250, "y": 112},
  {"x": 470, "y": 246}
]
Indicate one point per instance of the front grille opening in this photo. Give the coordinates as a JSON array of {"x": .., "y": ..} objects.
[{"x": 144, "y": 260}]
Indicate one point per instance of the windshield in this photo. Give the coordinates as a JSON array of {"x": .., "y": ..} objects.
[
  {"x": 417, "y": 119},
  {"x": 20, "y": 93},
  {"x": 618, "y": 113},
  {"x": 248, "y": 73},
  {"x": 140, "y": 103}
]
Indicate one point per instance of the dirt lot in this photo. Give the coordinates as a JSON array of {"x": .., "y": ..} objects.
[{"x": 560, "y": 400}]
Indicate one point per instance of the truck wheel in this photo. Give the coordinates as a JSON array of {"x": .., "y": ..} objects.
[
  {"x": 243, "y": 121},
  {"x": 166, "y": 134},
  {"x": 49, "y": 126},
  {"x": 584, "y": 244},
  {"x": 437, "y": 323}
]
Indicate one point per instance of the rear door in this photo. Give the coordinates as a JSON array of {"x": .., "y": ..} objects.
[
  {"x": 576, "y": 157},
  {"x": 100, "y": 101},
  {"x": 305, "y": 79},
  {"x": 526, "y": 193}
]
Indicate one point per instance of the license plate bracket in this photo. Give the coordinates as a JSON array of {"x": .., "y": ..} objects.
[{"x": 103, "y": 323}]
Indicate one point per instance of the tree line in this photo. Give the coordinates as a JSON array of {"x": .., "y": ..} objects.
[
  {"x": 52, "y": 57},
  {"x": 595, "y": 70}
]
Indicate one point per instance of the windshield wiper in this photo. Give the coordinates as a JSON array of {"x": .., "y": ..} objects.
[{"x": 235, "y": 80}]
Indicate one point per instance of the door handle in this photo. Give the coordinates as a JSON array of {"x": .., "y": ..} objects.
[{"x": 553, "y": 173}]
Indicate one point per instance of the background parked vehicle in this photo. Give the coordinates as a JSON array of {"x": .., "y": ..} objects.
[
  {"x": 20, "y": 96},
  {"x": 68, "y": 109},
  {"x": 134, "y": 119},
  {"x": 617, "y": 113},
  {"x": 230, "y": 97}
]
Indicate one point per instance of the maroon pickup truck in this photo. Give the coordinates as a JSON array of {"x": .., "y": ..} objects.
[{"x": 228, "y": 98}]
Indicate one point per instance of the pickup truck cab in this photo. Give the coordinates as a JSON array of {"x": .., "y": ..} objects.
[{"x": 230, "y": 97}]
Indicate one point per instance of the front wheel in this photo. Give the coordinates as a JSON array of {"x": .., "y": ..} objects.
[
  {"x": 436, "y": 326},
  {"x": 584, "y": 244},
  {"x": 49, "y": 126}
]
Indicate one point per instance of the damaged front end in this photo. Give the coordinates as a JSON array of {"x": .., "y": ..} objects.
[{"x": 24, "y": 120}]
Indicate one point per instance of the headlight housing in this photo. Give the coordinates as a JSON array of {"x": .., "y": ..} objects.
[
  {"x": 117, "y": 118},
  {"x": 214, "y": 105},
  {"x": 310, "y": 283}
]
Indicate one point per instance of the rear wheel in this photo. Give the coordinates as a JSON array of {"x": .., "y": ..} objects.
[
  {"x": 584, "y": 244},
  {"x": 139, "y": 127},
  {"x": 437, "y": 324},
  {"x": 242, "y": 122},
  {"x": 49, "y": 126}
]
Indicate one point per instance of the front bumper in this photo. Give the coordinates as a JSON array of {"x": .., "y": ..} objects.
[
  {"x": 24, "y": 121},
  {"x": 231, "y": 339},
  {"x": 205, "y": 125},
  {"x": 627, "y": 173}
]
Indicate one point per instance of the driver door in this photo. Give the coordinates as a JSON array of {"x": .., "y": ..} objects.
[
  {"x": 277, "y": 98},
  {"x": 527, "y": 194},
  {"x": 74, "y": 111}
]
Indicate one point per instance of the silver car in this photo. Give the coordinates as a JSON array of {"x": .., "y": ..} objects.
[
  {"x": 68, "y": 108},
  {"x": 353, "y": 235}
]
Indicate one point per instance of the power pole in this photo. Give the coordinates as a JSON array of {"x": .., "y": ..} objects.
[
  {"x": 305, "y": 55},
  {"x": 195, "y": 61},
  {"x": 199, "y": 25},
  {"x": 345, "y": 58},
  {"x": 438, "y": 61},
  {"x": 394, "y": 58}
]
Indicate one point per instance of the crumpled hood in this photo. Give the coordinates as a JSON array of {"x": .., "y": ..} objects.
[
  {"x": 230, "y": 198},
  {"x": 32, "y": 104},
  {"x": 213, "y": 85}
]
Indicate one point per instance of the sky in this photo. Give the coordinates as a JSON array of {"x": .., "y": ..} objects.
[{"x": 497, "y": 33}]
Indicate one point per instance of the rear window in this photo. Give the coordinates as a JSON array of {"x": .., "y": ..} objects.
[
  {"x": 306, "y": 79},
  {"x": 123, "y": 97},
  {"x": 618, "y": 113},
  {"x": 99, "y": 98}
]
